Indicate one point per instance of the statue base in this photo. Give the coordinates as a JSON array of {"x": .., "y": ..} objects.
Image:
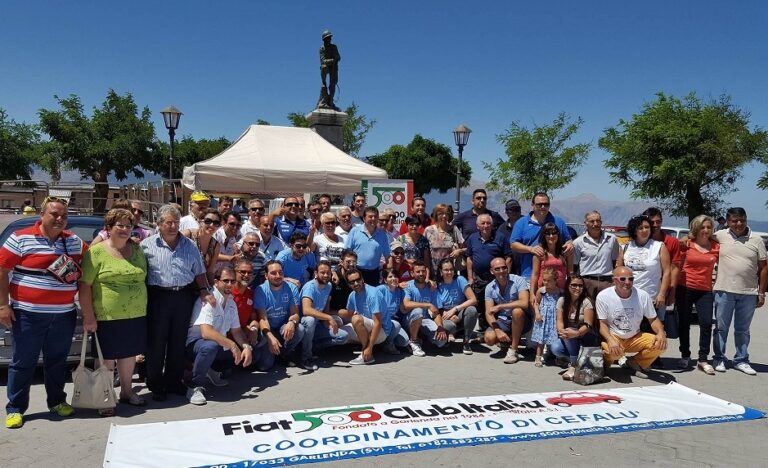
[{"x": 327, "y": 123}]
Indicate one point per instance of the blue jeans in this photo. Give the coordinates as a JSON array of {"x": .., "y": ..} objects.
[
  {"x": 738, "y": 308},
  {"x": 319, "y": 337},
  {"x": 397, "y": 336},
  {"x": 570, "y": 348},
  {"x": 263, "y": 357},
  {"x": 704, "y": 300},
  {"x": 203, "y": 353},
  {"x": 428, "y": 327},
  {"x": 34, "y": 332}
]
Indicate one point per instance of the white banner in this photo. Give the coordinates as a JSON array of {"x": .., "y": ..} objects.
[
  {"x": 328, "y": 434},
  {"x": 396, "y": 194}
]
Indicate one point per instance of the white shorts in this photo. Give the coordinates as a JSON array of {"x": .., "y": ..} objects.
[{"x": 368, "y": 323}]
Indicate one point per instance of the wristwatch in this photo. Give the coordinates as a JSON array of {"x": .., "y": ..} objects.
[
  {"x": 247, "y": 346},
  {"x": 295, "y": 322}
]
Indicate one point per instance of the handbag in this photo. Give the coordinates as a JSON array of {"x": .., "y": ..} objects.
[
  {"x": 94, "y": 389},
  {"x": 589, "y": 366},
  {"x": 672, "y": 324}
]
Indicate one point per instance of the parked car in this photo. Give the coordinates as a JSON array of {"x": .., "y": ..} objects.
[
  {"x": 678, "y": 232},
  {"x": 622, "y": 236},
  {"x": 86, "y": 227},
  {"x": 582, "y": 398}
]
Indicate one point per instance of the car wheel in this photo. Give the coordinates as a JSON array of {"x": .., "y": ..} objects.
[
  {"x": 562, "y": 403},
  {"x": 613, "y": 401}
]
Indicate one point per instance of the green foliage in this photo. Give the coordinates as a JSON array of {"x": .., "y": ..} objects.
[
  {"x": 354, "y": 131},
  {"x": 686, "y": 154},
  {"x": 17, "y": 145},
  {"x": 117, "y": 139},
  {"x": 537, "y": 159},
  {"x": 427, "y": 162},
  {"x": 186, "y": 152},
  {"x": 262, "y": 122}
]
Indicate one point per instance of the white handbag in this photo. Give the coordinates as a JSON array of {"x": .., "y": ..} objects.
[{"x": 94, "y": 389}]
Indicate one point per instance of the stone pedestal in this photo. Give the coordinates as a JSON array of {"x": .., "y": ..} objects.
[{"x": 327, "y": 123}]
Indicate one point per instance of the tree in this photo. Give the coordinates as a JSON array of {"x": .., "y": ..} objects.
[
  {"x": 115, "y": 140},
  {"x": 683, "y": 153},
  {"x": 17, "y": 148},
  {"x": 186, "y": 152},
  {"x": 762, "y": 182},
  {"x": 427, "y": 162},
  {"x": 354, "y": 131},
  {"x": 537, "y": 159}
]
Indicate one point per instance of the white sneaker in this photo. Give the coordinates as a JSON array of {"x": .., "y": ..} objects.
[
  {"x": 416, "y": 349},
  {"x": 720, "y": 366},
  {"x": 511, "y": 357},
  {"x": 746, "y": 368},
  {"x": 196, "y": 396},
  {"x": 215, "y": 378},
  {"x": 359, "y": 361}
]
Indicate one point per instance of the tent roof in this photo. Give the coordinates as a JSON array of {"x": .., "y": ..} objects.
[{"x": 271, "y": 159}]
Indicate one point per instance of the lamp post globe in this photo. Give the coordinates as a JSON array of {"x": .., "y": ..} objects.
[
  {"x": 171, "y": 118},
  {"x": 461, "y": 138}
]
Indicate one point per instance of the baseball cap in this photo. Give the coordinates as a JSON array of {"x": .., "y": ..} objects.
[
  {"x": 512, "y": 204},
  {"x": 200, "y": 196}
]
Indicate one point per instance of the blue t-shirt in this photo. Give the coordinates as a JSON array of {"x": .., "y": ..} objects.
[
  {"x": 392, "y": 301},
  {"x": 425, "y": 294},
  {"x": 527, "y": 230},
  {"x": 296, "y": 269},
  {"x": 369, "y": 249},
  {"x": 276, "y": 304},
  {"x": 319, "y": 296},
  {"x": 511, "y": 293},
  {"x": 450, "y": 295},
  {"x": 285, "y": 228},
  {"x": 482, "y": 252},
  {"x": 367, "y": 303}
]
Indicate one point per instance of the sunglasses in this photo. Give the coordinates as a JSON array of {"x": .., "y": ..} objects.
[
  {"x": 209, "y": 221},
  {"x": 541, "y": 205},
  {"x": 626, "y": 279},
  {"x": 330, "y": 223},
  {"x": 398, "y": 252},
  {"x": 292, "y": 204},
  {"x": 300, "y": 246},
  {"x": 256, "y": 208},
  {"x": 49, "y": 199},
  {"x": 355, "y": 281},
  {"x": 252, "y": 244},
  {"x": 550, "y": 233}
]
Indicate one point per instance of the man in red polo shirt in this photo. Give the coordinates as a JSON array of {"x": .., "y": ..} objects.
[
  {"x": 418, "y": 211},
  {"x": 39, "y": 308}
]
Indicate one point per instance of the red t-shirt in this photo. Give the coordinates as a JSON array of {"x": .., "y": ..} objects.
[
  {"x": 244, "y": 303},
  {"x": 698, "y": 266},
  {"x": 427, "y": 222},
  {"x": 673, "y": 247}
]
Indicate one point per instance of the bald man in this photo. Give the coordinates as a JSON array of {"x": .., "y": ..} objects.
[{"x": 621, "y": 310}]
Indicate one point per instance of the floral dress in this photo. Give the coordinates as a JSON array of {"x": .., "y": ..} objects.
[
  {"x": 545, "y": 332},
  {"x": 414, "y": 251}
]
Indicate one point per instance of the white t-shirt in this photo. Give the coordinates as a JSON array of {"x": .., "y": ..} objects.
[
  {"x": 339, "y": 231},
  {"x": 222, "y": 319},
  {"x": 624, "y": 315},
  {"x": 227, "y": 245},
  {"x": 188, "y": 222},
  {"x": 329, "y": 250},
  {"x": 645, "y": 262}
]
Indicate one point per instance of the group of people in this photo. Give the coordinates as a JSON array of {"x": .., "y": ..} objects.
[{"x": 210, "y": 290}]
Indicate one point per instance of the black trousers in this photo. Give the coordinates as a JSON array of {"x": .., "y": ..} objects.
[{"x": 168, "y": 315}]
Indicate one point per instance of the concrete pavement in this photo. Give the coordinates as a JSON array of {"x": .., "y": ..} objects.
[{"x": 80, "y": 441}]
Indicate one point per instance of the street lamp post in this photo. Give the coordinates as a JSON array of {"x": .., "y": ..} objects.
[
  {"x": 461, "y": 136},
  {"x": 171, "y": 117}
]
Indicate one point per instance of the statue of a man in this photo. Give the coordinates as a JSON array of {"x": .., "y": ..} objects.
[{"x": 329, "y": 67}]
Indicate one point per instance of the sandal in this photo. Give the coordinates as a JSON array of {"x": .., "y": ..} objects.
[
  {"x": 568, "y": 374},
  {"x": 134, "y": 400},
  {"x": 706, "y": 367},
  {"x": 538, "y": 361},
  {"x": 106, "y": 412}
]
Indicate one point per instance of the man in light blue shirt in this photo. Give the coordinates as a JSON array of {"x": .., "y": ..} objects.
[
  {"x": 365, "y": 325},
  {"x": 371, "y": 244},
  {"x": 321, "y": 327},
  {"x": 506, "y": 309},
  {"x": 423, "y": 311},
  {"x": 297, "y": 261},
  {"x": 277, "y": 305}
]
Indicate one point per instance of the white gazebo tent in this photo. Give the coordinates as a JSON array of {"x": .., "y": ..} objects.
[{"x": 270, "y": 159}]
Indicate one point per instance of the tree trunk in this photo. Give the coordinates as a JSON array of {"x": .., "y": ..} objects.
[
  {"x": 695, "y": 201},
  {"x": 100, "y": 193}
]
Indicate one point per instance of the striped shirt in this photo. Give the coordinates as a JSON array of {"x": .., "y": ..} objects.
[
  {"x": 169, "y": 268},
  {"x": 29, "y": 253}
]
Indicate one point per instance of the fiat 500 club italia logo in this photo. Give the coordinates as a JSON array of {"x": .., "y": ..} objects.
[
  {"x": 336, "y": 417},
  {"x": 388, "y": 196}
]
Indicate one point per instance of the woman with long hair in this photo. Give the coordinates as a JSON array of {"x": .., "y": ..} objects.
[
  {"x": 458, "y": 302},
  {"x": 695, "y": 288},
  {"x": 576, "y": 321},
  {"x": 209, "y": 247},
  {"x": 551, "y": 240}
]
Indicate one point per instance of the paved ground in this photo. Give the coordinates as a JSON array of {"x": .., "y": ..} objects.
[{"x": 80, "y": 441}]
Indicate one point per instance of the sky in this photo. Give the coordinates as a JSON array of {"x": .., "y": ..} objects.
[{"x": 416, "y": 67}]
